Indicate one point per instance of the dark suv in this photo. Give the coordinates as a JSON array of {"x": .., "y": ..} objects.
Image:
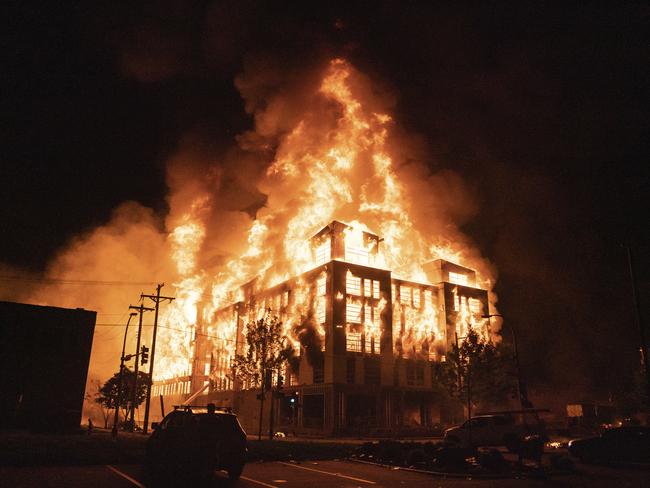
[{"x": 193, "y": 441}]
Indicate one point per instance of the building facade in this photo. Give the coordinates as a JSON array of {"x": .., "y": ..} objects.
[
  {"x": 367, "y": 342},
  {"x": 44, "y": 357}
]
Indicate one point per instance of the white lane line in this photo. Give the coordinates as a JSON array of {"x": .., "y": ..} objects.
[
  {"x": 330, "y": 473},
  {"x": 126, "y": 476},
  {"x": 258, "y": 482}
]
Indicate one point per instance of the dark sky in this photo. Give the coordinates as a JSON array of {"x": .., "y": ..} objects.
[{"x": 542, "y": 107}]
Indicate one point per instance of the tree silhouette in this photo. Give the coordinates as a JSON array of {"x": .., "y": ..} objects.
[
  {"x": 107, "y": 394},
  {"x": 488, "y": 368},
  {"x": 266, "y": 352}
]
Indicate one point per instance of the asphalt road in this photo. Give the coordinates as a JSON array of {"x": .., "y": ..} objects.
[{"x": 315, "y": 474}]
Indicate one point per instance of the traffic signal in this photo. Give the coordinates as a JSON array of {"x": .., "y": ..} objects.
[{"x": 144, "y": 355}]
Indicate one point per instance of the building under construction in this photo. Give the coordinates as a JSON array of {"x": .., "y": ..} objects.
[{"x": 367, "y": 342}]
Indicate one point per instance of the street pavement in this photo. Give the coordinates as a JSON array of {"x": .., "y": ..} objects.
[{"x": 316, "y": 474}]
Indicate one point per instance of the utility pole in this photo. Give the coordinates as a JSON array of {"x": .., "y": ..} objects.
[
  {"x": 156, "y": 299},
  {"x": 637, "y": 313},
  {"x": 141, "y": 309},
  {"x": 118, "y": 400}
]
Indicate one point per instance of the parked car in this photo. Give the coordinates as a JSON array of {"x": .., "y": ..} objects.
[
  {"x": 192, "y": 442},
  {"x": 492, "y": 430},
  {"x": 618, "y": 445}
]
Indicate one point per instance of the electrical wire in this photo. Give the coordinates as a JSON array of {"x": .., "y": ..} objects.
[
  {"x": 169, "y": 328},
  {"x": 65, "y": 281}
]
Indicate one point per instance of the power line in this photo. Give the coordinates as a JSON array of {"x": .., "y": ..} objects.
[
  {"x": 64, "y": 281},
  {"x": 170, "y": 328}
]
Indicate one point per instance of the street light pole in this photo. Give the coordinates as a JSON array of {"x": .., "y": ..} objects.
[{"x": 118, "y": 400}]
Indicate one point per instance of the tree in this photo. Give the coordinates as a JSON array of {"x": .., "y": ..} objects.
[
  {"x": 266, "y": 353},
  {"x": 106, "y": 396},
  {"x": 485, "y": 367},
  {"x": 92, "y": 396}
]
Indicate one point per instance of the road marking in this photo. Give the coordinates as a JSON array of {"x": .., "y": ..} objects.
[
  {"x": 330, "y": 473},
  {"x": 258, "y": 482},
  {"x": 125, "y": 476}
]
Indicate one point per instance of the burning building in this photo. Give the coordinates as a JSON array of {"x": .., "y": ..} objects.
[
  {"x": 367, "y": 341},
  {"x": 355, "y": 247}
]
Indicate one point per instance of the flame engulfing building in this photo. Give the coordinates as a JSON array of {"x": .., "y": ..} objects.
[{"x": 367, "y": 341}]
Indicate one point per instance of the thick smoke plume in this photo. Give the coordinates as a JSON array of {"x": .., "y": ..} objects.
[{"x": 324, "y": 146}]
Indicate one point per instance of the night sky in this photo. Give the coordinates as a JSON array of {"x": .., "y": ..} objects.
[{"x": 541, "y": 107}]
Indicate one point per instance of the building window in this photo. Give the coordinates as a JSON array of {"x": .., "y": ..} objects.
[
  {"x": 353, "y": 312},
  {"x": 367, "y": 288},
  {"x": 458, "y": 278},
  {"x": 414, "y": 374},
  {"x": 352, "y": 284},
  {"x": 371, "y": 370},
  {"x": 375, "y": 289},
  {"x": 207, "y": 369},
  {"x": 319, "y": 370},
  {"x": 321, "y": 286},
  {"x": 320, "y": 310},
  {"x": 405, "y": 295},
  {"x": 357, "y": 255},
  {"x": 351, "y": 370},
  {"x": 428, "y": 298},
  {"x": 416, "y": 297},
  {"x": 353, "y": 341},
  {"x": 372, "y": 345},
  {"x": 475, "y": 306},
  {"x": 324, "y": 252}
]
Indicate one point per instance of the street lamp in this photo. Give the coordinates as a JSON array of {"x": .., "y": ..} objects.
[
  {"x": 516, "y": 351},
  {"x": 119, "y": 381}
]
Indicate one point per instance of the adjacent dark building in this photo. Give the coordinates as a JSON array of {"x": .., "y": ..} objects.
[{"x": 44, "y": 356}]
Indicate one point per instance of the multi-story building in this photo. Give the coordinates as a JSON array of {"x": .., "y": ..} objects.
[{"x": 367, "y": 342}]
